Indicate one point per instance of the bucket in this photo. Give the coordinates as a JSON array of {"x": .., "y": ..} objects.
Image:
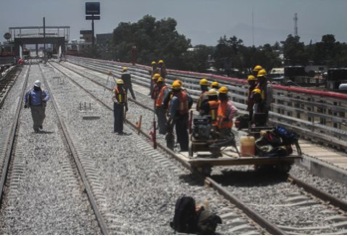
[{"x": 247, "y": 146}]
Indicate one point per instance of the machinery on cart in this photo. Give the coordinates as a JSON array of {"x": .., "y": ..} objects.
[{"x": 277, "y": 155}]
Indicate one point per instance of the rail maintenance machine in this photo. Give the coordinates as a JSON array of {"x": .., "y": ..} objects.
[{"x": 264, "y": 147}]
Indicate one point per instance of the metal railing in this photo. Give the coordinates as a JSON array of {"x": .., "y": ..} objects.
[{"x": 319, "y": 116}]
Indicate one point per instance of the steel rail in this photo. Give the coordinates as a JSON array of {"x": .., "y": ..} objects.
[
  {"x": 271, "y": 228},
  {"x": 12, "y": 138},
  {"x": 92, "y": 200},
  {"x": 318, "y": 193}
]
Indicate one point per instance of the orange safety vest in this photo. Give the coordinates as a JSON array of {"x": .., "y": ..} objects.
[
  {"x": 183, "y": 100},
  {"x": 222, "y": 115},
  {"x": 160, "y": 96},
  {"x": 120, "y": 95},
  {"x": 213, "y": 111}
]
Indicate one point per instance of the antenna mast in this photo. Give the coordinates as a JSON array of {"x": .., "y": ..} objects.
[{"x": 295, "y": 20}]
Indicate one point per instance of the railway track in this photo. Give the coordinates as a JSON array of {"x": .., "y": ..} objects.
[
  {"x": 42, "y": 192},
  {"x": 291, "y": 200}
]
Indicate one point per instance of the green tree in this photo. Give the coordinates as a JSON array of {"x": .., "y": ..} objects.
[
  {"x": 153, "y": 39},
  {"x": 294, "y": 51}
]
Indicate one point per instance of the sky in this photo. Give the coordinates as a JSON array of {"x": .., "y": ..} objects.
[{"x": 256, "y": 22}]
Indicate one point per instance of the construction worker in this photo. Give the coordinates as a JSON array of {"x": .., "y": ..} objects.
[
  {"x": 266, "y": 92},
  {"x": 179, "y": 107},
  {"x": 152, "y": 72},
  {"x": 168, "y": 96},
  {"x": 256, "y": 70},
  {"x": 226, "y": 112},
  {"x": 126, "y": 77},
  {"x": 203, "y": 96},
  {"x": 162, "y": 69},
  {"x": 120, "y": 106},
  {"x": 250, "y": 102},
  {"x": 36, "y": 99},
  {"x": 215, "y": 85},
  {"x": 159, "y": 109},
  {"x": 210, "y": 106},
  {"x": 154, "y": 81}
]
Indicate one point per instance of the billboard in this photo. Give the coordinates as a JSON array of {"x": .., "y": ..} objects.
[{"x": 92, "y": 8}]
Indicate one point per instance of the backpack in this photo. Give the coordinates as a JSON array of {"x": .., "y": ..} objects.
[
  {"x": 185, "y": 217},
  {"x": 289, "y": 137},
  {"x": 207, "y": 222}
]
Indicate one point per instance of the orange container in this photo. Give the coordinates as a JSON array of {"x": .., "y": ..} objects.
[{"x": 247, "y": 146}]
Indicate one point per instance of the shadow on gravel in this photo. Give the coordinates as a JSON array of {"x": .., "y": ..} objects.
[
  {"x": 250, "y": 178},
  {"x": 44, "y": 132}
]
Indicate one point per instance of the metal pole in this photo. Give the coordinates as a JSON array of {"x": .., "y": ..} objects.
[
  {"x": 92, "y": 30},
  {"x": 44, "y": 34}
]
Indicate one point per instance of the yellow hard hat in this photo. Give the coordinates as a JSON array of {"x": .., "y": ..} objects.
[
  {"x": 215, "y": 84},
  {"x": 223, "y": 89},
  {"x": 160, "y": 79},
  {"x": 261, "y": 73},
  {"x": 257, "y": 68},
  {"x": 156, "y": 76},
  {"x": 119, "y": 81},
  {"x": 179, "y": 81},
  {"x": 176, "y": 85},
  {"x": 160, "y": 62},
  {"x": 212, "y": 92},
  {"x": 251, "y": 78},
  {"x": 124, "y": 69},
  {"x": 256, "y": 91},
  {"x": 153, "y": 63},
  {"x": 204, "y": 81}
]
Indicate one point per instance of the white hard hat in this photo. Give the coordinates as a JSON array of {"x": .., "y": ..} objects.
[{"x": 37, "y": 83}]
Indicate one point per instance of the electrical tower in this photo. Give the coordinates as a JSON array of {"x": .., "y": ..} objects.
[{"x": 295, "y": 20}]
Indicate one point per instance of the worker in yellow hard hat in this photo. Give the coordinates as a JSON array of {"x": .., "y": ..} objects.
[
  {"x": 162, "y": 69},
  {"x": 266, "y": 92},
  {"x": 256, "y": 70},
  {"x": 120, "y": 106},
  {"x": 204, "y": 84},
  {"x": 250, "y": 102},
  {"x": 179, "y": 106},
  {"x": 160, "y": 91},
  {"x": 152, "y": 72},
  {"x": 226, "y": 112},
  {"x": 215, "y": 85}
]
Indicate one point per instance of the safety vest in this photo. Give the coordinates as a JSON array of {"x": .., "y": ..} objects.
[
  {"x": 223, "y": 121},
  {"x": 213, "y": 111},
  {"x": 183, "y": 103},
  {"x": 120, "y": 95},
  {"x": 160, "y": 96}
]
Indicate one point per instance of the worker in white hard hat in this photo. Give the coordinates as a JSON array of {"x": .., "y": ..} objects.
[{"x": 36, "y": 99}]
